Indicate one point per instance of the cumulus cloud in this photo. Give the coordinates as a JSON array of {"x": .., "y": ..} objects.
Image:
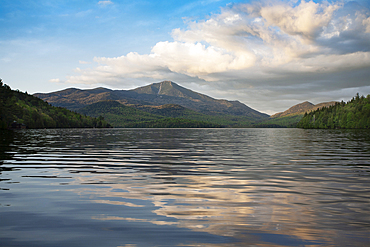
[
  {"x": 293, "y": 50},
  {"x": 304, "y": 21}
]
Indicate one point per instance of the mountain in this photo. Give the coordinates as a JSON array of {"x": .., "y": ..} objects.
[
  {"x": 355, "y": 114},
  {"x": 168, "y": 92},
  {"x": 21, "y": 110},
  {"x": 302, "y": 108},
  {"x": 156, "y": 94}
]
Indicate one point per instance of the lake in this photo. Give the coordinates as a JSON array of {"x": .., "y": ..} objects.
[{"x": 185, "y": 187}]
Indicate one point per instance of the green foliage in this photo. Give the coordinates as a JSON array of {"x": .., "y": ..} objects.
[
  {"x": 173, "y": 123},
  {"x": 35, "y": 113},
  {"x": 116, "y": 114},
  {"x": 177, "y": 111},
  {"x": 355, "y": 114},
  {"x": 119, "y": 115},
  {"x": 167, "y": 116},
  {"x": 281, "y": 122}
]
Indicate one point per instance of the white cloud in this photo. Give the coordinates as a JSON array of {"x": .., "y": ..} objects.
[
  {"x": 366, "y": 23},
  {"x": 305, "y": 21},
  {"x": 54, "y": 80},
  {"x": 258, "y": 46},
  {"x": 196, "y": 59},
  {"x": 83, "y": 62},
  {"x": 105, "y": 3}
]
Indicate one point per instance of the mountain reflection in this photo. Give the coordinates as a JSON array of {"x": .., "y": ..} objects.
[
  {"x": 261, "y": 187},
  {"x": 225, "y": 206},
  {"x": 6, "y": 140}
]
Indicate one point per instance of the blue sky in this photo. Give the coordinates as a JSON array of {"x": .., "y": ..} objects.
[
  {"x": 266, "y": 54},
  {"x": 47, "y": 39}
]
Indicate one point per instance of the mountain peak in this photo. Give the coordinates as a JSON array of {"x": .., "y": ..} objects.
[
  {"x": 296, "y": 109},
  {"x": 167, "y": 88},
  {"x": 167, "y": 83}
]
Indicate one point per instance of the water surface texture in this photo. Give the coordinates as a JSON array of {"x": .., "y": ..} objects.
[{"x": 185, "y": 187}]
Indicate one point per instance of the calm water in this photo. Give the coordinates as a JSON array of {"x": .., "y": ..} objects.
[{"x": 185, "y": 187}]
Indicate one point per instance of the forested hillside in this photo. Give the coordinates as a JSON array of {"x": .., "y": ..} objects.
[
  {"x": 167, "y": 116},
  {"x": 33, "y": 112},
  {"x": 355, "y": 114},
  {"x": 280, "y": 122},
  {"x": 291, "y": 117},
  {"x": 116, "y": 114},
  {"x": 173, "y": 123}
]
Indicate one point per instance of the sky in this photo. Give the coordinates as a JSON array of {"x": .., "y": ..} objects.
[{"x": 269, "y": 55}]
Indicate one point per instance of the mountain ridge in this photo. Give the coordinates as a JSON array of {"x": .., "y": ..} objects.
[{"x": 165, "y": 92}]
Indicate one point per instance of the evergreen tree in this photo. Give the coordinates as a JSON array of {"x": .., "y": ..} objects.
[
  {"x": 355, "y": 114},
  {"x": 33, "y": 112}
]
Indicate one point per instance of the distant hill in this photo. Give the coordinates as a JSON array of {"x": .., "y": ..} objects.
[
  {"x": 155, "y": 94},
  {"x": 302, "y": 108},
  {"x": 18, "y": 110},
  {"x": 355, "y": 114},
  {"x": 290, "y": 117}
]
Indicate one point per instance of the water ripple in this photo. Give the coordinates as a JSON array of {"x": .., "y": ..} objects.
[{"x": 264, "y": 187}]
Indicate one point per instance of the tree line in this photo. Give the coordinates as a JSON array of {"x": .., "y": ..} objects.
[
  {"x": 355, "y": 114},
  {"x": 22, "y": 108},
  {"x": 173, "y": 123}
]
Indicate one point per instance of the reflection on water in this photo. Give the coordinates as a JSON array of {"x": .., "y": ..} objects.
[{"x": 186, "y": 187}]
